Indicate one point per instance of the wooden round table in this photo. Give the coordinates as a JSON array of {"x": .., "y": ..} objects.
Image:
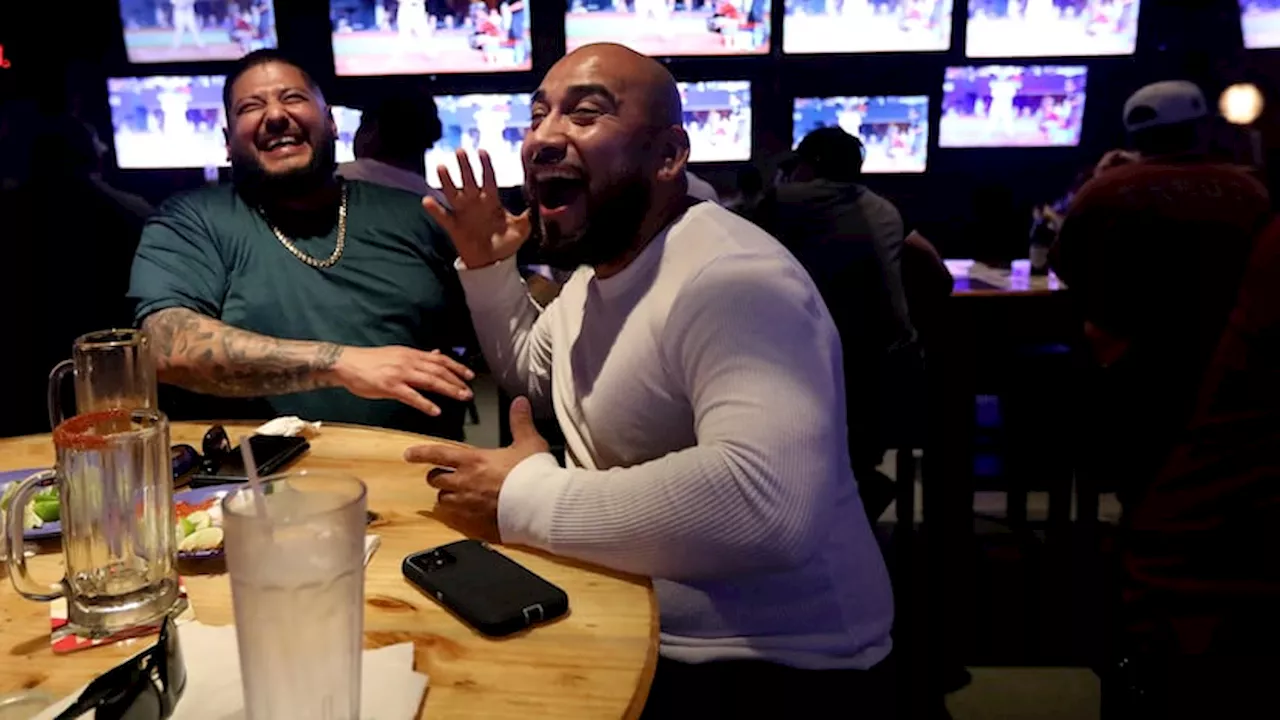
[{"x": 597, "y": 662}]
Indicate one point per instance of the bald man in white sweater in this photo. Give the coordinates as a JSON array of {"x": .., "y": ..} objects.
[{"x": 696, "y": 375}]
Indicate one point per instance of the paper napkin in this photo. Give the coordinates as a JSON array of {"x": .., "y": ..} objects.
[
  {"x": 389, "y": 689},
  {"x": 371, "y": 544},
  {"x": 289, "y": 426},
  {"x": 64, "y": 641}
]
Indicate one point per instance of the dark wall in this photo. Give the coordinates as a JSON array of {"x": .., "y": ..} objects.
[{"x": 1193, "y": 39}]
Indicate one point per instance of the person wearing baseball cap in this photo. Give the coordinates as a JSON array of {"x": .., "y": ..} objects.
[
  {"x": 1153, "y": 252},
  {"x": 850, "y": 240}
]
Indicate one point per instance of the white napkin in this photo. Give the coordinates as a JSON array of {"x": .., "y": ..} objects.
[
  {"x": 389, "y": 688},
  {"x": 371, "y": 543},
  {"x": 289, "y": 426}
]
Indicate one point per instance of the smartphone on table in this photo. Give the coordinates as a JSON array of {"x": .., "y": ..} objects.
[
  {"x": 487, "y": 590},
  {"x": 271, "y": 453}
]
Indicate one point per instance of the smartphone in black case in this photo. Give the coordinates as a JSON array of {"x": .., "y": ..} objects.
[
  {"x": 271, "y": 453},
  {"x": 489, "y": 591}
]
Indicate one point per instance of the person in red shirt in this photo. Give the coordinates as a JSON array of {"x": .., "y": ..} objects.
[{"x": 1153, "y": 252}]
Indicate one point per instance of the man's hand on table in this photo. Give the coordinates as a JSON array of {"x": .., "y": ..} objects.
[
  {"x": 470, "y": 479},
  {"x": 398, "y": 373}
]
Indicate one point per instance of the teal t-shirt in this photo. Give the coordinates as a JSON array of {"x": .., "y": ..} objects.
[{"x": 395, "y": 284}]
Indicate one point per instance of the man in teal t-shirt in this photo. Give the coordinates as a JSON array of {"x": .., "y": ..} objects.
[{"x": 329, "y": 299}]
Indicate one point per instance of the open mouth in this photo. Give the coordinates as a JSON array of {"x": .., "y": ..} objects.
[
  {"x": 558, "y": 192},
  {"x": 282, "y": 143}
]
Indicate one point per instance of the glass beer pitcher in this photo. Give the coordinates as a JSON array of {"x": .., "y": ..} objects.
[
  {"x": 113, "y": 369},
  {"x": 115, "y": 486}
]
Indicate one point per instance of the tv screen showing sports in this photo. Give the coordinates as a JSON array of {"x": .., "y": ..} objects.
[
  {"x": 664, "y": 28},
  {"x": 1043, "y": 28},
  {"x": 157, "y": 31},
  {"x": 1260, "y": 23},
  {"x": 894, "y": 129},
  {"x": 168, "y": 121},
  {"x": 1012, "y": 106},
  {"x": 422, "y": 37},
  {"x": 717, "y": 117},
  {"x": 494, "y": 123},
  {"x": 866, "y": 26},
  {"x": 348, "y": 121}
]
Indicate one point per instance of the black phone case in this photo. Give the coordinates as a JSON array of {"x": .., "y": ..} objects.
[
  {"x": 486, "y": 589},
  {"x": 266, "y": 465}
]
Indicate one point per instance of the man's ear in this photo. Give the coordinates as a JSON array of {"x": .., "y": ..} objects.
[
  {"x": 672, "y": 144},
  {"x": 333, "y": 124}
]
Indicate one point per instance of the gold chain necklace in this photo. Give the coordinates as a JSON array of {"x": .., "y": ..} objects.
[{"x": 337, "y": 251}]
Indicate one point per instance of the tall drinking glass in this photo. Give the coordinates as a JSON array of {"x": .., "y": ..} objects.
[
  {"x": 297, "y": 585},
  {"x": 115, "y": 487},
  {"x": 113, "y": 369}
]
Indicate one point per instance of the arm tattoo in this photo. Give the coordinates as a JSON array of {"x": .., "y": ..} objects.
[{"x": 204, "y": 355}]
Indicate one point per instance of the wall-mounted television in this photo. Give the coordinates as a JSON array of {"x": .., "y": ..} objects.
[
  {"x": 191, "y": 30},
  {"x": 717, "y": 117},
  {"x": 866, "y": 26},
  {"x": 894, "y": 129},
  {"x": 348, "y": 121},
  {"x": 492, "y": 122},
  {"x": 495, "y": 123},
  {"x": 424, "y": 37},
  {"x": 1049, "y": 28},
  {"x": 1012, "y": 106},
  {"x": 168, "y": 121},
  {"x": 667, "y": 28},
  {"x": 1260, "y": 23}
]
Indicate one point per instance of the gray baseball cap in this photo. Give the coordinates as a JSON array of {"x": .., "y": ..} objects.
[{"x": 1164, "y": 103}]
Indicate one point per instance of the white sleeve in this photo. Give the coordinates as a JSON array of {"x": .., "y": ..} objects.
[
  {"x": 759, "y": 359},
  {"x": 514, "y": 332}
]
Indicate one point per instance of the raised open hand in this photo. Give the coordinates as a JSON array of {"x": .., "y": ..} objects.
[{"x": 482, "y": 231}]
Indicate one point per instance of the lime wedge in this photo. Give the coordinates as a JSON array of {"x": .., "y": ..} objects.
[
  {"x": 48, "y": 510},
  {"x": 206, "y": 539},
  {"x": 30, "y": 520},
  {"x": 199, "y": 520}
]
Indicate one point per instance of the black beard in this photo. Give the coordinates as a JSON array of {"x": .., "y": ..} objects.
[
  {"x": 613, "y": 222},
  {"x": 259, "y": 186}
]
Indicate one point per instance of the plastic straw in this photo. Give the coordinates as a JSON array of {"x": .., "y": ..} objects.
[{"x": 255, "y": 484}]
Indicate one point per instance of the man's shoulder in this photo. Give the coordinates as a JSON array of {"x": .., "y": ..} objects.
[
  {"x": 208, "y": 200},
  {"x": 711, "y": 237}
]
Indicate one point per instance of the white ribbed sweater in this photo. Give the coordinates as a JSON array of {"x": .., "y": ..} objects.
[{"x": 702, "y": 402}]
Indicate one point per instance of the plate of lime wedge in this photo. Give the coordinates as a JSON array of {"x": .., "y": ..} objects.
[{"x": 41, "y": 518}]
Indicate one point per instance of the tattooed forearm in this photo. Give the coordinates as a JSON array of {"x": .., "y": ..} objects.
[{"x": 199, "y": 353}]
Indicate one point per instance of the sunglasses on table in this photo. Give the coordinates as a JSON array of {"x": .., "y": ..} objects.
[
  {"x": 215, "y": 446},
  {"x": 145, "y": 687}
]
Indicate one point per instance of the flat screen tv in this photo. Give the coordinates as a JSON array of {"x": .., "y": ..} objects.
[
  {"x": 1260, "y": 23},
  {"x": 717, "y": 117},
  {"x": 669, "y": 28},
  {"x": 348, "y": 121},
  {"x": 492, "y": 122},
  {"x": 1051, "y": 28},
  {"x": 195, "y": 30},
  {"x": 894, "y": 129},
  {"x": 866, "y": 26},
  {"x": 495, "y": 123},
  {"x": 168, "y": 121},
  {"x": 1012, "y": 106},
  {"x": 426, "y": 37}
]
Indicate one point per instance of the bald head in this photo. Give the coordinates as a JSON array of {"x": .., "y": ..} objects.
[{"x": 643, "y": 79}]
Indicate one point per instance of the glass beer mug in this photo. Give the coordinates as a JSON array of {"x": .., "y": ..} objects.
[
  {"x": 113, "y": 369},
  {"x": 115, "y": 486}
]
